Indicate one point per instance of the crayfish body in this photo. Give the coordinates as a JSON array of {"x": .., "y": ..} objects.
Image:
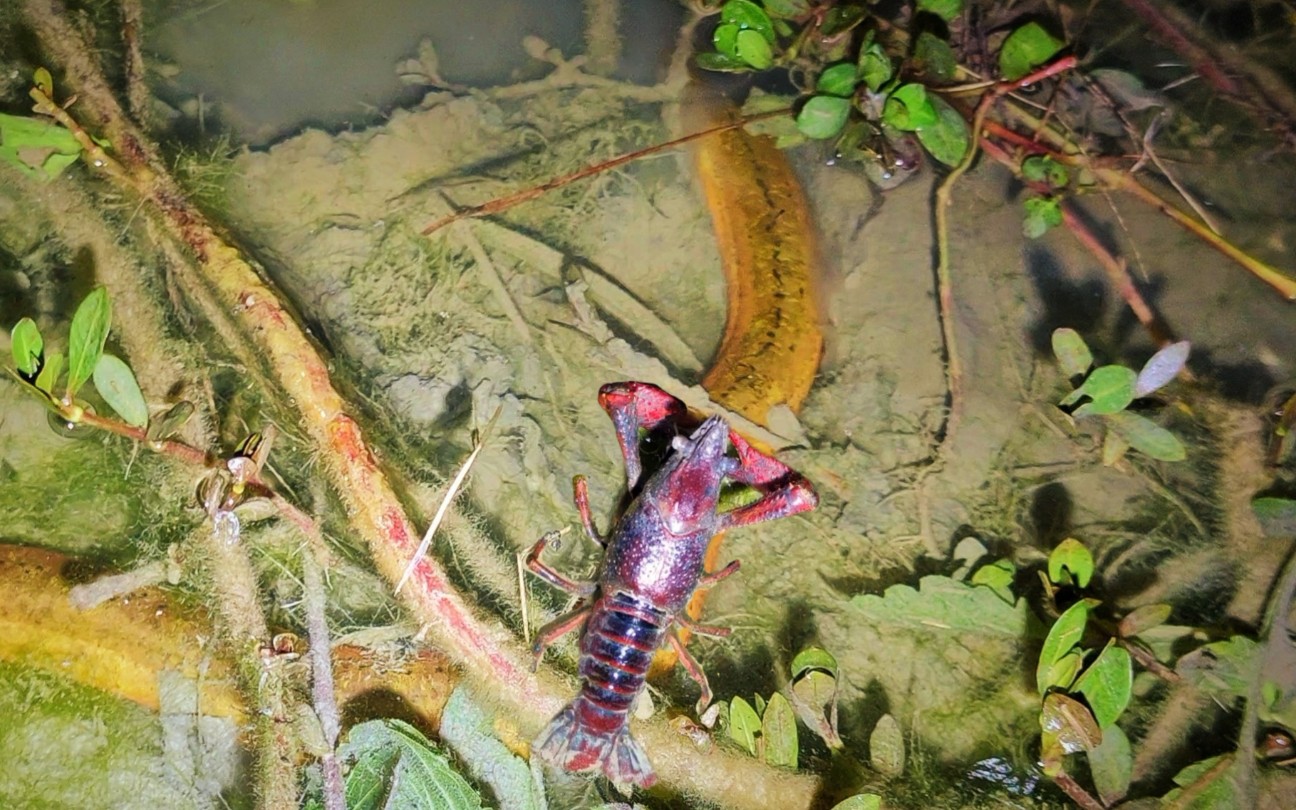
[{"x": 653, "y": 564}]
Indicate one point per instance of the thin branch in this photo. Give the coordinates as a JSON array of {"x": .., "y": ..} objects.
[
  {"x": 499, "y": 204},
  {"x": 322, "y": 692}
]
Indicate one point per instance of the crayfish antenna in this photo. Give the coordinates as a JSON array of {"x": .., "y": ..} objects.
[{"x": 576, "y": 740}]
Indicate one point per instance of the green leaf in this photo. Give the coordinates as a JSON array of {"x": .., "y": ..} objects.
[
  {"x": 945, "y": 9},
  {"x": 1107, "y": 684},
  {"x": 1042, "y": 214},
  {"x": 467, "y": 729},
  {"x": 749, "y": 17},
  {"x": 1072, "y": 556},
  {"x": 1064, "y": 670},
  {"x": 886, "y": 747},
  {"x": 787, "y": 9},
  {"x": 941, "y": 604},
  {"x": 909, "y": 108},
  {"x": 998, "y": 576},
  {"x": 838, "y": 80},
  {"x": 813, "y": 658},
  {"x": 1225, "y": 669},
  {"x": 86, "y": 340},
  {"x": 44, "y": 81},
  {"x": 1114, "y": 448},
  {"x": 753, "y": 49},
  {"x": 861, "y": 801},
  {"x": 1065, "y": 633},
  {"x": 1147, "y": 436},
  {"x": 393, "y": 765},
  {"x": 1144, "y": 618},
  {"x": 779, "y": 729},
  {"x": 1046, "y": 170},
  {"x": 840, "y": 19},
  {"x": 167, "y": 424},
  {"x": 1212, "y": 789},
  {"x": 1110, "y": 389},
  {"x": 116, "y": 383},
  {"x": 934, "y": 57},
  {"x": 722, "y": 63},
  {"x": 1111, "y": 765},
  {"x": 1068, "y": 728},
  {"x": 50, "y": 373},
  {"x": 38, "y": 147},
  {"x": 948, "y": 138},
  {"x": 1277, "y": 516},
  {"x": 823, "y": 116},
  {"x": 28, "y": 348},
  {"x": 874, "y": 65},
  {"x": 744, "y": 724},
  {"x": 1071, "y": 352},
  {"x": 725, "y": 40},
  {"x": 1161, "y": 368},
  {"x": 1026, "y": 49}
]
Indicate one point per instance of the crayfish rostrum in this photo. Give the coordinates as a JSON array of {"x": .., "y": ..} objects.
[{"x": 652, "y": 565}]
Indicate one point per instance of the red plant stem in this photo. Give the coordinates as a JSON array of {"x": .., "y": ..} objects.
[
  {"x": 1077, "y": 793},
  {"x": 1116, "y": 271},
  {"x": 1202, "y": 61}
]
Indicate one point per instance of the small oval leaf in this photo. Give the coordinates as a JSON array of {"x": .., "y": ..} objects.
[
  {"x": 1072, "y": 556},
  {"x": 1065, "y": 633},
  {"x": 50, "y": 373},
  {"x": 744, "y": 724},
  {"x": 117, "y": 385},
  {"x": 948, "y": 137},
  {"x": 28, "y": 348},
  {"x": 861, "y": 801},
  {"x": 886, "y": 747},
  {"x": 1071, "y": 351},
  {"x": 753, "y": 49},
  {"x": 823, "y": 116},
  {"x": 1161, "y": 368},
  {"x": 1111, "y": 764},
  {"x": 1025, "y": 49},
  {"x": 1110, "y": 389},
  {"x": 748, "y": 16},
  {"x": 1277, "y": 516},
  {"x": 838, "y": 80},
  {"x": 1147, "y": 436},
  {"x": 86, "y": 339},
  {"x": 1107, "y": 684},
  {"x": 813, "y": 658},
  {"x": 779, "y": 729},
  {"x": 167, "y": 424},
  {"x": 1143, "y": 618}
]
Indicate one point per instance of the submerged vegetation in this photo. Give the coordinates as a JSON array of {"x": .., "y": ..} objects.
[{"x": 923, "y": 640}]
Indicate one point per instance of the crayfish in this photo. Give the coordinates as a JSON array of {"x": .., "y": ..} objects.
[{"x": 652, "y": 565}]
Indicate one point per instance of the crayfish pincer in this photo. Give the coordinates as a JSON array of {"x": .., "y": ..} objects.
[{"x": 652, "y": 565}]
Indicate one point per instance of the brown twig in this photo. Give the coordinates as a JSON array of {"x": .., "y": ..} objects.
[
  {"x": 322, "y": 692},
  {"x": 1076, "y": 792},
  {"x": 499, "y": 204}
]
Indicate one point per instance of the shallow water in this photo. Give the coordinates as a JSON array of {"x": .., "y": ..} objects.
[{"x": 619, "y": 277}]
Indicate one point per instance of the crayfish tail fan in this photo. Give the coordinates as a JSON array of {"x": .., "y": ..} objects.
[{"x": 585, "y": 737}]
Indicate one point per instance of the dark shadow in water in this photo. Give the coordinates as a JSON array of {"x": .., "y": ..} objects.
[
  {"x": 381, "y": 704},
  {"x": 1063, "y": 302},
  {"x": 1246, "y": 381},
  {"x": 1051, "y": 515}
]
